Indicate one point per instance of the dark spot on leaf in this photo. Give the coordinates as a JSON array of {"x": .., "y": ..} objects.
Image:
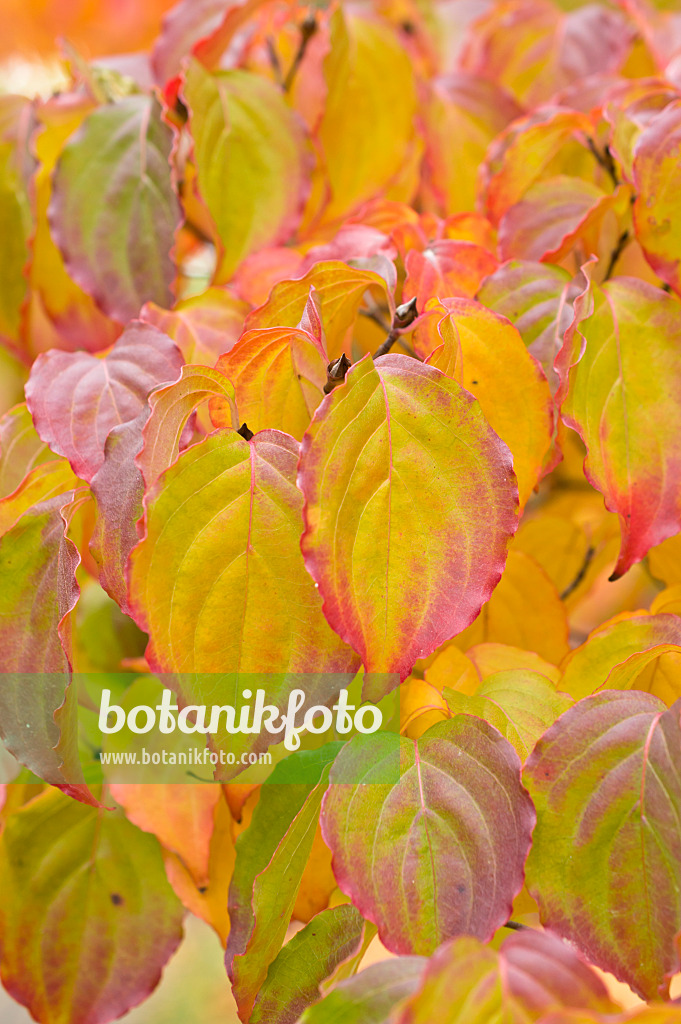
[
  {"x": 117, "y": 899},
  {"x": 474, "y": 382},
  {"x": 460, "y": 887},
  {"x": 202, "y": 889}
]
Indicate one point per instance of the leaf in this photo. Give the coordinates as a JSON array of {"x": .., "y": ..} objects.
[
  {"x": 179, "y": 815},
  {"x": 58, "y": 313},
  {"x": 370, "y": 996},
  {"x": 15, "y": 214},
  {"x": 534, "y": 51},
  {"x": 655, "y": 1014},
  {"x": 366, "y": 134},
  {"x": 317, "y": 883},
  {"x": 244, "y": 133},
  {"x": 214, "y": 513},
  {"x": 421, "y": 857},
  {"x": 605, "y": 782},
  {"x": 451, "y": 667},
  {"x": 227, "y": 517},
  {"x": 481, "y": 351},
  {"x": 20, "y": 448},
  {"x": 664, "y": 560},
  {"x": 75, "y": 398},
  {"x": 203, "y": 326},
  {"x": 118, "y": 487},
  {"x": 619, "y": 400},
  {"x": 208, "y": 900},
  {"x": 278, "y": 375},
  {"x": 270, "y": 857},
  {"x": 366, "y": 530},
  {"x": 554, "y": 215},
  {"x": 313, "y": 954},
  {"x": 77, "y": 882},
  {"x": 189, "y": 27},
  {"x": 657, "y": 179},
  {"x": 47, "y": 480},
  {"x": 39, "y": 591},
  {"x": 489, "y": 658},
  {"x": 520, "y": 704},
  {"x": 462, "y": 114},
  {"x": 539, "y": 299},
  {"x": 171, "y": 406},
  {"x": 524, "y": 611},
  {"x": 339, "y": 288},
  {"x": 619, "y": 655},
  {"x": 532, "y": 148},
  {"x": 530, "y": 974},
  {"x": 113, "y": 211},
  {"x": 560, "y": 545},
  {"x": 138, "y": 451},
  {"x": 446, "y": 268}
]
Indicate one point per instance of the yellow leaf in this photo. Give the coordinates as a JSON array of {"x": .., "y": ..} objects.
[
  {"x": 487, "y": 356},
  {"x": 524, "y": 611},
  {"x": 366, "y": 135}
]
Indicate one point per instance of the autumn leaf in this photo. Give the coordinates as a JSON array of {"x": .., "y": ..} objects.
[
  {"x": 386, "y": 503},
  {"x": 392, "y": 841},
  {"x": 608, "y": 799},
  {"x": 73, "y": 902},
  {"x": 117, "y": 248},
  {"x": 616, "y": 394}
]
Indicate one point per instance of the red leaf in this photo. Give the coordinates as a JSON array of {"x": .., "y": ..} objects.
[{"x": 76, "y": 398}]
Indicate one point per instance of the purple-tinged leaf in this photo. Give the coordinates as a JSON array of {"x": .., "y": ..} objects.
[
  {"x": 439, "y": 853},
  {"x": 76, "y": 398},
  {"x": 606, "y": 856}
]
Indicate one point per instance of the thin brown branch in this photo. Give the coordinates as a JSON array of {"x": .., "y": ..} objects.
[
  {"x": 571, "y": 587},
  {"x": 620, "y": 246},
  {"x": 404, "y": 317},
  {"x": 307, "y": 29}
]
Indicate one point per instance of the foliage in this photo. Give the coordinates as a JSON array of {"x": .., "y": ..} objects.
[{"x": 348, "y": 341}]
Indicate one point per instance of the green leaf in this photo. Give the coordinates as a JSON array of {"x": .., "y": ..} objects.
[
  {"x": 371, "y": 996},
  {"x": 313, "y": 954},
  {"x": 251, "y": 160},
  {"x": 20, "y": 448},
  {"x": 519, "y": 703},
  {"x": 88, "y": 919},
  {"x": 270, "y": 857}
]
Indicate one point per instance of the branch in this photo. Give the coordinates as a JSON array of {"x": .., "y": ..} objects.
[
  {"x": 605, "y": 159},
  {"x": 617, "y": 252},
  {"x": 571, "y": 587},
  {"x": 404, "y": 317},
  {"x": 307, "y": 30}
]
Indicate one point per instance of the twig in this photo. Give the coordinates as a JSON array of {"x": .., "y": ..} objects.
[
  {"x": 307, "y": 30},
  {"x": 516, "y": 926},
  {"x": 373, "y": 314},
  {"x": 404, "y": 317},
  {"x": 605, "y": 159},
  {"x": 622, "y": 242},
  {"x": 571, "y": 587},
  {"x": 275, "y": 63}
]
